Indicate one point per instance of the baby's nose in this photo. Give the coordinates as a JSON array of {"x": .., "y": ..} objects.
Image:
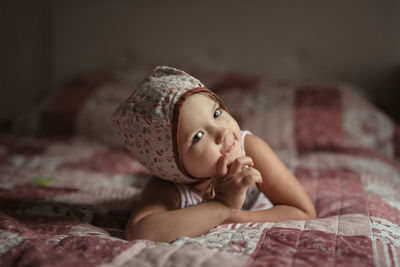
[{"x": 221, "y": 135}]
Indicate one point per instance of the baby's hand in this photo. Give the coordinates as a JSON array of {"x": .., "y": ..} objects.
[{"x": 234, "y": 180}]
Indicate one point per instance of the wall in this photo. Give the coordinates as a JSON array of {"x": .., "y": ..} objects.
[
  {"x": 396, "y": 30},
  {"x": 393, "y": 98},
  {"x": 329, "y": 40},
  {"x": 353, "y": 41},
  {"x": 24, "y": 65}
]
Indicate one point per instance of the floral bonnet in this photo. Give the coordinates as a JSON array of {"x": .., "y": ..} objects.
[{"x": 148, "y": 121}]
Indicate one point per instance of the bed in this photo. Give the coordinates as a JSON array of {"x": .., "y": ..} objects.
[{"x": 68, "y": 186}]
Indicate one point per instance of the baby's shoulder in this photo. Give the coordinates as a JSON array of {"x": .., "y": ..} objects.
[
  {"x": 249, "y": 139},
  {"x": 255, "y": 146}
]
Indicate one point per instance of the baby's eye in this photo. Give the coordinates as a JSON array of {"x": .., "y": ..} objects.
[
  {"x": 217, "y": 113},
  {"x": 197, "y": 137}
]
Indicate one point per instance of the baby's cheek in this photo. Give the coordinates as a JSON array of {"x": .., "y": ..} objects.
[
  {"x": 202, "y": 163},
  {"x": 212, "y": 158}
]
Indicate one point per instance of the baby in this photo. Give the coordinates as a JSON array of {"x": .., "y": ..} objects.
[{"x": 207, "y": 171}]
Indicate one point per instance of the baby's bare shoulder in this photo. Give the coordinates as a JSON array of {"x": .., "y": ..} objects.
[
  {"x": 253, "y": 143},
  {"x": 258, "y": 149}
]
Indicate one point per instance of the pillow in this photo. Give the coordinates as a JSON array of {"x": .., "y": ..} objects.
[
  {"x": 397, "y": 143},
  {"x": 304, "y": 117},
  {"x": 313, "y": 117},
  {"x": 85, "y": 104},
  {"x": 232, "y": 80}
]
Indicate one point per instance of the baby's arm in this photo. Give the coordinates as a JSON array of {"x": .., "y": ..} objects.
[
  {"x": 290, "y": 200},
  {"x": 159, "y": 218}
]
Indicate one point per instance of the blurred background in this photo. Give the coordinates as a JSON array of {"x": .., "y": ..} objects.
[{"x": 45, "y": 43}]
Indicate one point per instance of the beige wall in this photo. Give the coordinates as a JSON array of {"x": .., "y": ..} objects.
[
  {"x": 51, "y": 41},
  {"x": 396, "y": 31},
  {"x": 300, "y": 40},
  {"x": 393, "y": 98}
]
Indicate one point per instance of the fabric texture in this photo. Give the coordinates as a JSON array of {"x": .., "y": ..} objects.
[
  {"x": 78, "y": 217},
  {"x": 66, "y": 202},
  {"x": 147, "y": 121},
  {"x": 328, "y": 115}
]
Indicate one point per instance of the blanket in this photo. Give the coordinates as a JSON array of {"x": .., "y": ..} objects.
[{"x": 65, "y": 201}]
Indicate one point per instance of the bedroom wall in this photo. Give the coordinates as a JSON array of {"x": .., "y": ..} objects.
[
  {"x": 48, "y": 42},
  {"x": 301, "y": 40},
  {"x": 396, "y": 30},
  {"x": 24, "y": 60},
  {"x": 393, "y": 98}
]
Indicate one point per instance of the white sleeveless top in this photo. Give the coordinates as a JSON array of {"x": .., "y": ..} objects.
[{"x": 254, "y": 198}]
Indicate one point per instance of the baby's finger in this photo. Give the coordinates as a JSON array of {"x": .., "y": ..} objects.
[
  {"x": 258, "y": 178},
  {"x": 222, "y": 165},
  {"x": 238, "y": 165},
  {"x": 257, "y": 175},
  {"x": 250, "y": 176}
]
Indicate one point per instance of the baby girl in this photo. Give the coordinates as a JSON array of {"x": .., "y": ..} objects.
[{"x": 206, "y": 170}]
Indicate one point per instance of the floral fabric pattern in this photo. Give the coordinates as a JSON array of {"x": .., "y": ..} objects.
[{"x": 144, "y": 121}]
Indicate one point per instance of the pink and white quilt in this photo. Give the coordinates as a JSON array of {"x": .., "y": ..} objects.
[{"x": 64, "y": 201}]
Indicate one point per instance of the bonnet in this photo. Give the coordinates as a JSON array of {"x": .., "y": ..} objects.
[{"x": 148, "y": 121}]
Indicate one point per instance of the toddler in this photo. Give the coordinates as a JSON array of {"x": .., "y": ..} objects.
[{"x": 206, "y": 170}]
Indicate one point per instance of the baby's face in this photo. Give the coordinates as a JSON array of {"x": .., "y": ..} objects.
[{"x": 206, "y": 131}]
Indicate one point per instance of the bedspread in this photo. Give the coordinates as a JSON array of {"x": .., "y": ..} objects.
[
  {"x": 66, "y": 194},
  {"x": 66, "y": 203}
]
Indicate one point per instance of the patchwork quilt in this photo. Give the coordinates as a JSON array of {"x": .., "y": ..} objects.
[{"x": 65, "y": 198}]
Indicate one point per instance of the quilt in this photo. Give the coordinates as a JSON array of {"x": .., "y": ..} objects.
[{"x": 65, "y": 200}]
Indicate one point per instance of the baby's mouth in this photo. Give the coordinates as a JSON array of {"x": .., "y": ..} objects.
[{"x": 230, "y": 148}]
